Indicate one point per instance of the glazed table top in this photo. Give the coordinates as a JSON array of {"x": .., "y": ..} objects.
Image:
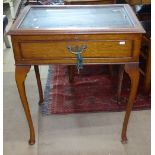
[{"x": 103, "y": 18}]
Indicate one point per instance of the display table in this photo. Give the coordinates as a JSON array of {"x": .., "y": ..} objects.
[{"x": 94, "y": 34}]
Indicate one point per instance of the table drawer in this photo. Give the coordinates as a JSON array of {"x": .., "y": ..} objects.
[{"x": 58, "y": 49}]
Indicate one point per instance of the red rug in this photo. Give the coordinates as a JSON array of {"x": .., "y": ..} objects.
[{"x": 92, "y": 90}]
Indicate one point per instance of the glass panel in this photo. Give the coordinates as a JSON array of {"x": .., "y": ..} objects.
[{"x": 87, "y": 17}]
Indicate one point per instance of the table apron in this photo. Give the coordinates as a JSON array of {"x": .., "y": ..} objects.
[{"x": 54, "y": 49}]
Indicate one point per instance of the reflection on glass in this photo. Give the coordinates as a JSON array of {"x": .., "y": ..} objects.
[{"x": 105, "y": 17}]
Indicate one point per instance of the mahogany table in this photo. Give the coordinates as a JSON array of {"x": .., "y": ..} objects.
[{"x": 88, "y": 34}]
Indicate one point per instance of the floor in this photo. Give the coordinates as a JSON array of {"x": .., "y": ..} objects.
[{"x": 72, "y": 134}]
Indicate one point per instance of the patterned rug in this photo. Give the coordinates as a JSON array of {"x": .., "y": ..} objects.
[{"x": 91, "y": 91}]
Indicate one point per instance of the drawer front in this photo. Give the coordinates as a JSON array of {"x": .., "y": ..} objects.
[{"x": 58, "y": 49}]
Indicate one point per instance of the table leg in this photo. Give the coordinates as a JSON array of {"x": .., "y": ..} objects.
[
  {"x": 71, "y": 73},
  {"x": 36, "y": 68},
  {"x": 147, "y": 78},
  {"x": 12, "y": 9},
  {"x": 119, "y": 88},
  {"x": 118, "y": 98},
  {"x": 133, "y": 71},
  {"x": 20, "y": 75},
  {"x": 6, "y": 40}
]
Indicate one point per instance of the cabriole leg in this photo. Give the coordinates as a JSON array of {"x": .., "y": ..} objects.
[
  {"x": 20, "y": 75},
  {"x": 71, "y": 73},
  {"x": 133, "y": 71},
  {"x": 147, "y": 79},
  {"x": 36, "y": 68}
]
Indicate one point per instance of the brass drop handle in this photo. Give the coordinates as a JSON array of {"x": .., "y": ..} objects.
[{"x": 77, "y": 50}]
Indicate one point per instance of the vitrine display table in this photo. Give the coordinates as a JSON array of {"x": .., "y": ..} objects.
[{"x": 80, "y": 35}]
